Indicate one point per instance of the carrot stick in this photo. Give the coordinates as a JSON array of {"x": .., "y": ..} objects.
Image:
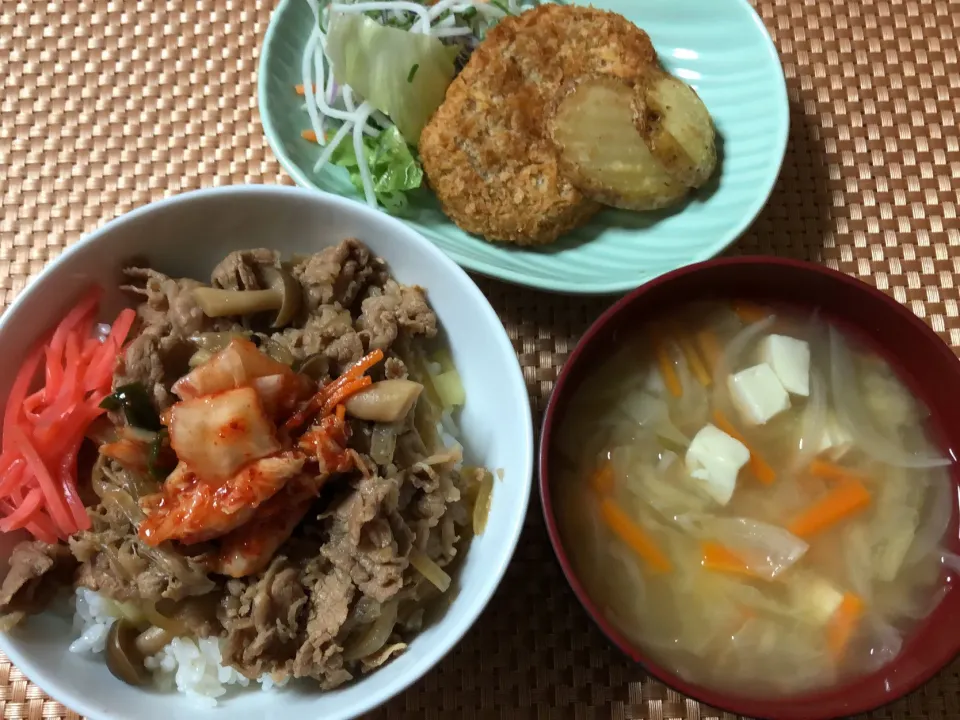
[
  {"x": 331, "y": 391},
  {"x": 309, "y": 135},
  {"x": 749, "y": 312},
  {"x": 667, "y": 370},
  {"x": 829, "y": 471},
  {"x": 710, "y": 347},
  {"x": 364, "y": 364},
  {"x": 843, "y": 623},
  {"x": 694, "y": 361},
  {"x": 344, "y": 393},
  {"x": 601, "y": 480},
  {"x": 633, "y": 535},
  {"x": 301, "y": 90},
  {"x": 718, "y": 558},
  {"x": 847, "y": 498},
  {"x": 758, "y": 466}
]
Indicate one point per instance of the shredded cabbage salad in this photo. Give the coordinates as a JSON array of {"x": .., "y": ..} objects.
[{"x": 374, "y": 73}]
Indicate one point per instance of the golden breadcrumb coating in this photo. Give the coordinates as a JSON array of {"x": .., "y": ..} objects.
[{"x": 486, "y": 152}]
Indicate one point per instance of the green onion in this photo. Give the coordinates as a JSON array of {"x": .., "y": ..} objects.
[
  {"x": 413, "y": 72},
  {"x": 160, "y": 461},
  {"x": 135, "y": 403}
]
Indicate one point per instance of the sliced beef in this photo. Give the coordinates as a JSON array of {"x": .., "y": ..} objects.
[
  {"x": 320, "y": 656},
  {"x": 396, "y": 308},
  {"x": 155, "y": 359},
  {"x": 327, "y": 331},
  {"x": 37, "y": 572},
  {"x": 240, "y": 270},
  {"x": 114, "y": 561},
  {"x": 168, "y": 303},
  {"x": 263, "y": 618},
  {"x": 362, "y": 543},
  {"x": 350, "y": 554},
  {"x": 287, "y": 620},
  {"x": 339, "y": 274},
  {"x": 158, "y": 356}
]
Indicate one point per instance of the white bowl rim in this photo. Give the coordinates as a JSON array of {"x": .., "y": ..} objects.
[
  {"x": 508, "y": 544},
  {"x": 302, "y": 178}
]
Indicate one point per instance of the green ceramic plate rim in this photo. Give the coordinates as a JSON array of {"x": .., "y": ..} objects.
[{"x": 557, "y": 286}]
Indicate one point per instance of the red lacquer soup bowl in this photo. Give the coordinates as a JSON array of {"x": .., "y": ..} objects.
[{"x": 928, "y": 367}]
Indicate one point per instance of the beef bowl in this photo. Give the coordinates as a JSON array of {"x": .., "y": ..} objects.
[
  {"x": 265, "y": 452},
  {"x": 748, "y": 470}
]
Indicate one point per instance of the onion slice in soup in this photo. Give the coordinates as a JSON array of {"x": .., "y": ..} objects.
[
  {"x": 766, "y": 550},
  {"x": 813, "y": 423},
  {"x": 934, "y": 520},
  {"x": 855, "y": 417}
]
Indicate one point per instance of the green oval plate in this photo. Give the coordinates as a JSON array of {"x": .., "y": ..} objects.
[{"x": 720, "y": 47}]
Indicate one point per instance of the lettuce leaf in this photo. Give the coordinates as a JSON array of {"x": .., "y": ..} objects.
[
  {"x": 400, "y": 73},
  {"x": 393, "y": 167}
]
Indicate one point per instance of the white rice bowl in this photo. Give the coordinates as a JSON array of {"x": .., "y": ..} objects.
[
  {"x": 193, "y": 667},
  {"x": 187, "y": 235}
]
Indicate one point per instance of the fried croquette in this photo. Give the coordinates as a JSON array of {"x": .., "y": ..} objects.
[{"x": 486, "y": 152}]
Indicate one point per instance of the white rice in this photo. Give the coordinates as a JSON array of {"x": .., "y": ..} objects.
[
  {"x": 93, "y": 616},
  {"x": 192, "y": 667}
]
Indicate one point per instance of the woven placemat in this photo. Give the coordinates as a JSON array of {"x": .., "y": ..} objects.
[{"x": 110, "y": 104}]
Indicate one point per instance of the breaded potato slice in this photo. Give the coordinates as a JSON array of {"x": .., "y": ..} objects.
[
  {"x": 486, "y": 151},
  {"x": 594, "y": 128},
  {"x": 677, "y": 128}
]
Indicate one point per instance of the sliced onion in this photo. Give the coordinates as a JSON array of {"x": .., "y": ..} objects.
[
  {"x": 430, "y": 570},
  {"x": 667, "y": 458},
  {"x": 813, "y": 423},
  {"x": 383, "y": 443},
  {"x": 934, "y": 521},
  {"x": 376, "y": 635},
  {"x": 884, "y": 643},
  {"x": 631, "y": 572},
  {"x": 652, "y": 413},
  {"x": 855, "y": 417},
  {"x": 765, "y": 549},
  {"x": 481, "y": 506}
]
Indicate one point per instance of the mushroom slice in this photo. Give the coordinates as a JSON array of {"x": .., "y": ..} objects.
[
  {"x": 284, "y": 283},
  {"x": 283, "y": 296},
  {"x": 124, "y": 660}
]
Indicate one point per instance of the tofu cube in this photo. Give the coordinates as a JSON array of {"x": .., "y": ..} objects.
[
  {"x": 790, "y": 360},
  {"x": 758, "y": 394},
  {"x": 836, "y": 440},
  {"x": 715, "y": 459},
  {"x": 816, "y": 598}
]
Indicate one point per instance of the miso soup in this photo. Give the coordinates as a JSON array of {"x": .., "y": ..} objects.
[{"x": 752, "y": 498}]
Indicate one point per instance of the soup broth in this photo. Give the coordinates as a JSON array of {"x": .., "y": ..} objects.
[{"x": 753, "y": 500}]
